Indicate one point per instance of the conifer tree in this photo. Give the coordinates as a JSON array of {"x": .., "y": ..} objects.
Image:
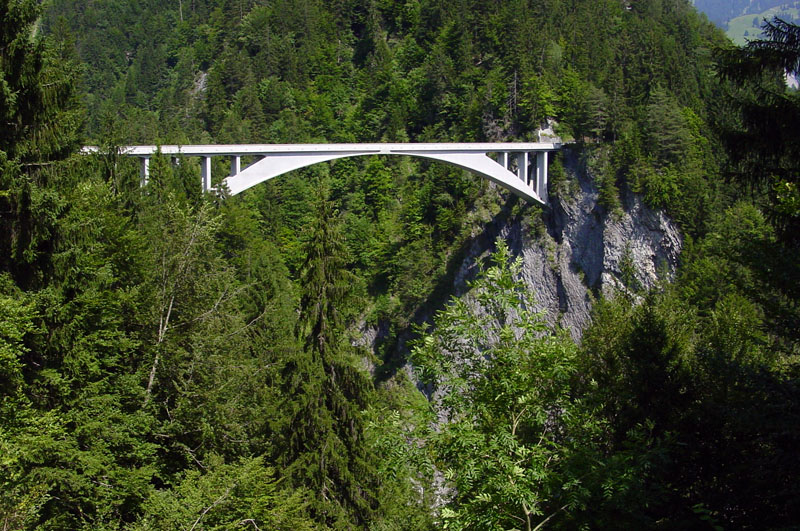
[
  {"x": 596, "y": 111},
  {"x": 763, "y": 140},
  {"x": 326, "y": 393},
  {"x": 39, "y": 123},
  {"x": 666, "y": 127}
]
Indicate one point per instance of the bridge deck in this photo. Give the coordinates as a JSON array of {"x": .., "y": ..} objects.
[
  {"x": 255, "y": 149},
  {"x": 530, "y": 181}
]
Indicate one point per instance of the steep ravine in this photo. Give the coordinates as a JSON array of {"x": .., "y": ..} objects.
[{"x": 572, "y": 252}]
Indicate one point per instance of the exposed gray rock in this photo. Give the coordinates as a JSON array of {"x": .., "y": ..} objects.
[
  {"x": 584, "y": 250},
  {"x": 571, "y": 253}
]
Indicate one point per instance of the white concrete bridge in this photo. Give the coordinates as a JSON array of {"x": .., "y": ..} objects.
[{"x": 520, "y": 167}]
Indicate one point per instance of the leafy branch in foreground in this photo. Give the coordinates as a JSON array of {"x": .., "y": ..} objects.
[{"x": 513, "y": 442}]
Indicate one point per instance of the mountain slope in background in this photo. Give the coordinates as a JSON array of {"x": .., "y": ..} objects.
[
  {"x": 742, "y": 20},
  {"x": 721, "y": 11}
]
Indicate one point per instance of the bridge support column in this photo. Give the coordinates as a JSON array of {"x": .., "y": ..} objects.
[
  {"x": 503, "y": 159},
  {"x": 541, "y": 175},
  {"x": 236, "y": 164},
  {"x": 522, "y": 166},
  {"x": 144, "y": 170},
  {"x": 205, "y": 169}
]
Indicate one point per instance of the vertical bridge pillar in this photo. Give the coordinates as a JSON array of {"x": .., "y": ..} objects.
[
  {"x": 541, "y": 175},
  {"x": 205, "y": 169},
  {"x": 504, "y": 159},
  {"x": 144, "y": 170},
  {"x": 522, "y": 167}
]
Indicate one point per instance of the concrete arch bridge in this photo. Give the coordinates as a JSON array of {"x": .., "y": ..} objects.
[{"x": 520, "y": 167}]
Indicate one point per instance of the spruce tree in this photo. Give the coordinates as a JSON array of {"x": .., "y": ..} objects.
[
  {"x": 666, "y": 128},
  {"x": 763, "y": 139},
  {"x": 325, "y": 449},
  {"x": 39, "y": 122}
]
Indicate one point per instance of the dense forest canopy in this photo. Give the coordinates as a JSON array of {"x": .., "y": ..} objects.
[{"x": 170, "y": 359}]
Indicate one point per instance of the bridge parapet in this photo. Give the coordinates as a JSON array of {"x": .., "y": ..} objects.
[{"x": 520, "y": 167}]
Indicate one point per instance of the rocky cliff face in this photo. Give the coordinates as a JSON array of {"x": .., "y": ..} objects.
[
  {"x": 583, "y": 250},
  {"x": 572, "y": 251}
]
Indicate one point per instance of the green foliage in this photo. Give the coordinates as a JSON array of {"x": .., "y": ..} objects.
[
  {"x": 325, "y": 392},
  {"x": 559, "y": 184},
  {"x": 514, "y": 444},
  {"x": 167, "y": 360},
  {"x": 666, "y": 129},
  {"x": 661, "y": 187},
  {"x": 741, "y": 255},
  {"x": 600, "y": 164},
  {"x": 759, "y": 133},
  {"x": 41, "y": 118},
  {"x": 596, "y": 112},
  {"x": 694, "y": 365},
  {"x": 395, "y": 433},
  {"x": 21, "y": 425},
  {"x": 225, "y": 496},
  {"x": 537, "y": 100}
]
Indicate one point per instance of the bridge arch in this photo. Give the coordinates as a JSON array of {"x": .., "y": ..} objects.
[{"x": 529, "y": 181}]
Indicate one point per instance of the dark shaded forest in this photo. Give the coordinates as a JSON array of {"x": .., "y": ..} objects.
[{"x": 172, "y": 359}]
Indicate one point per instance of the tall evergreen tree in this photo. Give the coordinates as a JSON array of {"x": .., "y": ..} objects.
[
  {"x": 39, "y": 122},
  {"x": 666, "y": 127},
  {"x": 325, "y": 390},
  {"x": 763, "y": 139}
]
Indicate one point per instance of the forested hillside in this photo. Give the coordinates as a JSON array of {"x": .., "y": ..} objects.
[{"x": 172, "y": 359}]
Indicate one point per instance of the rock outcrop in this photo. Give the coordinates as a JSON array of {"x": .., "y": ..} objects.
[
  {"x": 584, "y": 250},
  {"x": 572, "y": 252}
]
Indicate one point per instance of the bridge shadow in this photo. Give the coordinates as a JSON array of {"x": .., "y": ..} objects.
[{"x": 396, "y": 346}]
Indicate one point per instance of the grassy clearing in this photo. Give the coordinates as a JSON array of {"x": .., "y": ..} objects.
[{"x": 748, "y": 27}]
